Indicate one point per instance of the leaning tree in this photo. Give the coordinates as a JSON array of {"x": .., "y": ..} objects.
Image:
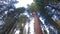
[{"x": 37, "y": 26}]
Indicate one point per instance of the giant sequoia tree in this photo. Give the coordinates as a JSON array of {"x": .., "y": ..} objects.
[{"x": 37, "y": 26}]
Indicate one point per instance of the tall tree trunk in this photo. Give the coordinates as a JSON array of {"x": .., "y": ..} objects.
[{"x": 36, "y": 24}]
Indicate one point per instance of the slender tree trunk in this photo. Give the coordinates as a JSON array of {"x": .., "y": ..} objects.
[{"x": 36, "y": 24}]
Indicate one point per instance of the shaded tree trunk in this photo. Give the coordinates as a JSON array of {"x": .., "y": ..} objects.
[{"x": 37, "y": 25}]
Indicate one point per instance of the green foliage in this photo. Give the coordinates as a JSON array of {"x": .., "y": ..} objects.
[
  {"x": 42, "y": 2},
  {"x": 24, "y": 31},
  {"x": 40, "y": 5},
  {"x": 58, "y": 22},
  {"x": 32, "y": 7},
  {"x": 20, "y": 10},
  {"x": 45, "y": 32},
  {"x": 20, "y": 20}
]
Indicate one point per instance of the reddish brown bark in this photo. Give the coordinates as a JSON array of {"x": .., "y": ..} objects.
[{"x": 36, "y": 24}]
